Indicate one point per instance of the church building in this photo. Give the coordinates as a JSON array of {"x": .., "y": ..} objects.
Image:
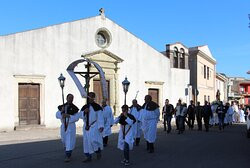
[{"x": 31, "y": 62}]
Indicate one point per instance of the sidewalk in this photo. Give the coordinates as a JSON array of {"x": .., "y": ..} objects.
[{"x": 36, "y": 134}]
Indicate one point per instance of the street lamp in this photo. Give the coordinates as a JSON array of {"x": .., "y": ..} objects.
[
  {"x": 61, "y": 81},
  {"x": 125, "y": 85}
]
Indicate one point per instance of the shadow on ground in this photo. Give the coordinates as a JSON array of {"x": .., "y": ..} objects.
[{"x": 230, "y": 148}]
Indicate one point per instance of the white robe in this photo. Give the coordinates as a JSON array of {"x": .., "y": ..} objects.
[
  {"x": 248, "y": 123},
  {"x": 242, "y": 116},
  {"x": 230, "y": 112},
  {"x": 149, "y": 123},
  {"x": 236, "y": 113},
  {"x": 68, "y": 138},
  {"x": 108, "y": 121},
  {"x": 137, "y": 131},
  {"x": 92, "y": 139},
  {"x": 214, "y": 120},
  {"x": 226, "y": 120},
  {"x": 129, "y": 138}
]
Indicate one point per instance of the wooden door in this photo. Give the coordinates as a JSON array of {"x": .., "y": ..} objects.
[
  {"x": 29, "y": 103},
  {"x": 155, "y": 95},
  {"x": 98, "y": 92}
]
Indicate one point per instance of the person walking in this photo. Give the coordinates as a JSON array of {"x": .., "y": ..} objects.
[
  {"x": 167, "y": 113},
  {"x": 125, "y": 137},
  {"x": 199, "y": 115},
  {"x": 207, "y": 113},
  {"x": 108, "y": 122},
  {"x": 68, "y": 112},
  {"x": 191, "y": 114},
  {"x": 150, "y": 117},
  {"x": 93, "y": 119},
  {"x": 135, "y": 110},
  {"x": 221, "y": 110}
]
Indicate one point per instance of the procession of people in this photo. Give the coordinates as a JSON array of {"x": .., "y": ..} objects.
[
  {"x": 137, "y": 121},
  {"x": 98, "y": 120}
]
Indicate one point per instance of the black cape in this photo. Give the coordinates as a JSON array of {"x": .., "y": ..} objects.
[
  {"x": 122, "y": 119},
  {"x": 138, "y": 107},
  {"x": 151, "y": 106},
  {"x": 95, "y": 106},
  {"x": 71, "y": 108}
]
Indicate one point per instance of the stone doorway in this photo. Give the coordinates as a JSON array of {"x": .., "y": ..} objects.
[
  {"x": 109, "y": 63},
  {"x": 29, "y": 104},
  {"x": 155, "y": 95}
]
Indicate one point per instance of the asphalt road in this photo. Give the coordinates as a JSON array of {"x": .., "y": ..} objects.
[{"x": 196, "y": 149}]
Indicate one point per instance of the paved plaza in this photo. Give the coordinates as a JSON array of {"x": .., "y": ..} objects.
[{"x": 42, "y": 148}]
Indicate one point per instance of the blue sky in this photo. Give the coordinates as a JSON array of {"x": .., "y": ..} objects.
[{"x": 221, "y": 24}]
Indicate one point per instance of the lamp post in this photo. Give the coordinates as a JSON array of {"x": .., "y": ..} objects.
[
  {"x": 61, "y": 81},
  {"x": 125, "y": 85}
]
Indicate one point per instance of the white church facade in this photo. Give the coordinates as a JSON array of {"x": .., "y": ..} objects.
[{"x": 31, "y": 62}]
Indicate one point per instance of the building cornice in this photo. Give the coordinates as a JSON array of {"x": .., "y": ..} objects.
[
  {"x": 221, "y": 77},
  {"x": 244, "y": 82},
  {"x": 29, "y": 76},
  {"x": 176, "y": 44},
  {"x": 154, "y": 82},
  {"x": 112, "y": 55},
  {"x": 205, "y": 56}
]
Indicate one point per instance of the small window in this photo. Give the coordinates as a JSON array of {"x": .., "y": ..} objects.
[
  {"x": 182, "y": 58},
  {"x": 208, "y": 98},
  {"x": 103, "y": 38},
  {"x": 205, "y": 74},
  {"x": 175, "y": 61},
  {"x": 205, "y": 98}
]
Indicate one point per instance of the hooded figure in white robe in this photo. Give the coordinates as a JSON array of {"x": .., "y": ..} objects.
[
  {"x": 248, "y": 122},
  {"x": 226, "y": 119},
  {"x": 242, "y": 115},
  {"x": 230, "y": 112},
  {"x": 248, "y": 125},
  {"x": 150, "y": 117},
  {"x": 92, "y": 116},
  {"x": 214, "y": 119},
  {"x": 126, "y": 136},
  {"x": 135, "y": 110},
  {"x": 236, "y": 115},
  {"x": 68, "y": 114},
  {"x": 108, "y": 122}
]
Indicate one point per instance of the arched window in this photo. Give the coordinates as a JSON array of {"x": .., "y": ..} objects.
[
  {"x": 182, "y": 58},
  {"x": 175, "y": 60}
]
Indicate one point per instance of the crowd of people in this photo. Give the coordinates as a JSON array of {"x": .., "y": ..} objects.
[
  {"x": 137, "y": 121},
  {"x": 213, "y": 114}
]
